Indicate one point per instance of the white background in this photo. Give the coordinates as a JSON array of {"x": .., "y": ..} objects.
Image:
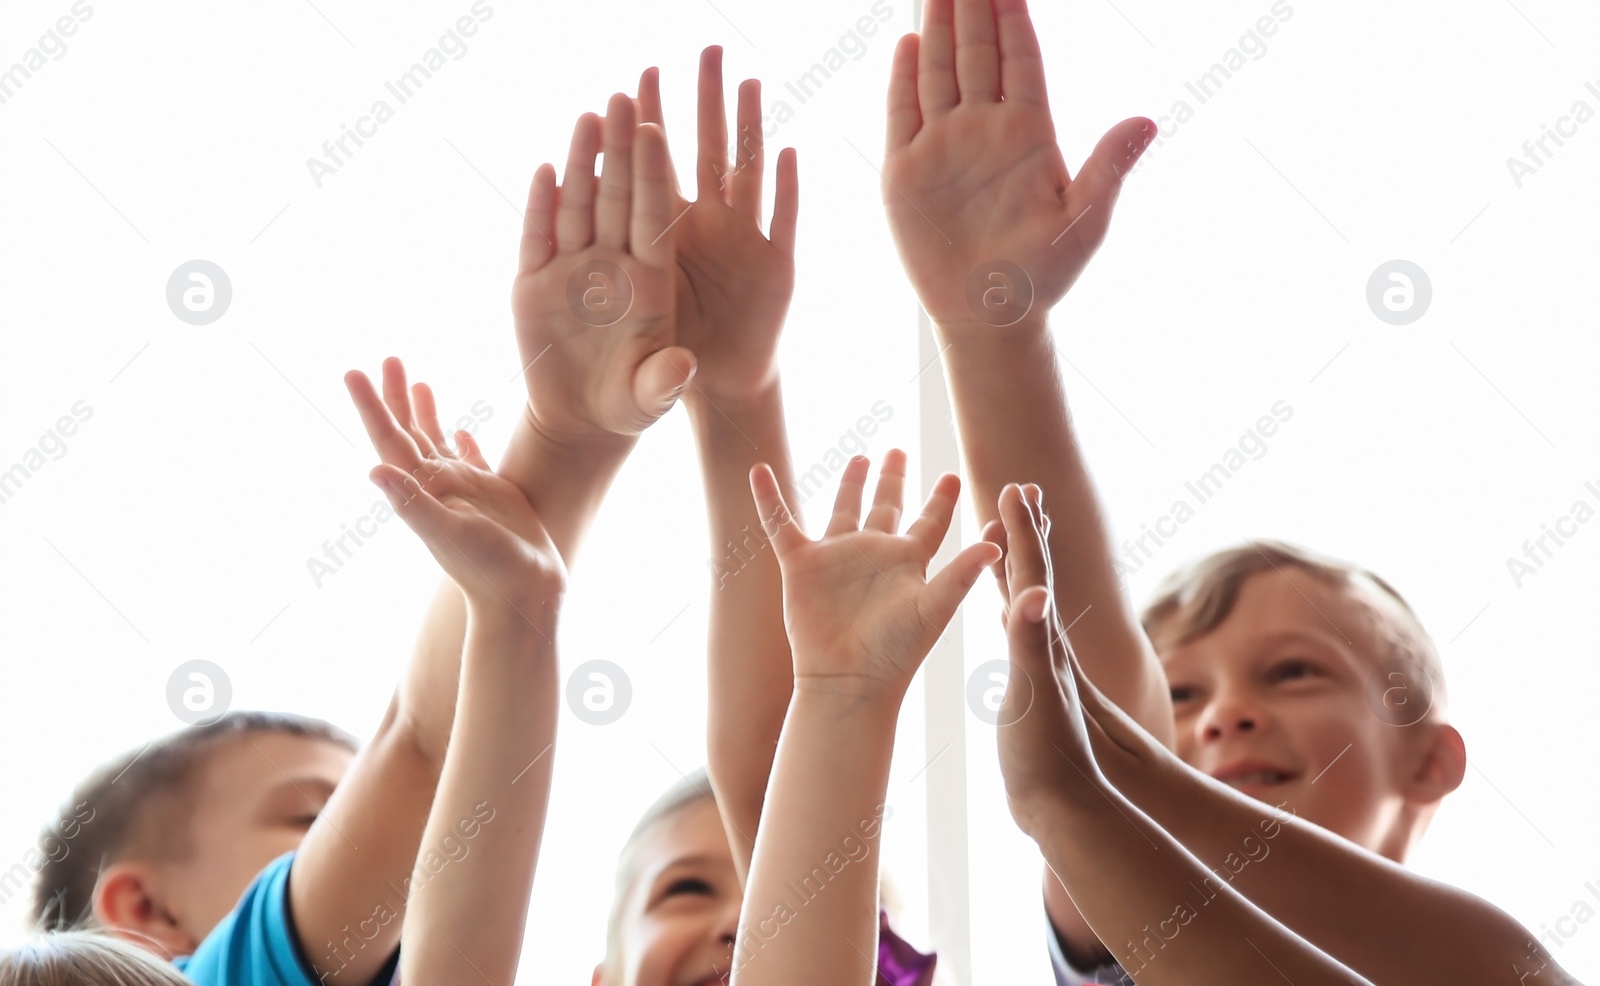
[{"x": 179, "y": 523}]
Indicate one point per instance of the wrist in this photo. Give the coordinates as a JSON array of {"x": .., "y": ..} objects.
[
  {"x": 525, "y": 623},
  {"x": 711, "y": 407},
  {"x": 969, "y": 328},
  {"x": 848, "y": 696}
]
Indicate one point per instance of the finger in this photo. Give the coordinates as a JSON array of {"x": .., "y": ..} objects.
[
  {"x": 420, "y": 509},
  {"x": 995, "y": 531},
  {"x": 575, "y": 217},
  {"x": 649, "y": 111},
  {"x": 711, "y": 165},
  {"x": 1093, "y": 194},
  {"x": 612, "y": 206},
  {"x": 1028, "y": 645},
  {"x": 393, "y": 444},
  {"x": 650, "y": 97},
  {"x": 651, "y": 238},
  {"x": 1021, "y": 63},
  {"x": 1025, "y": 556},
  {"x": 977, "y": 53},
  {"x": 947, "y": 589},
  {"x": 659, "y": 381},
  {"x": 786, "y": 206},
  {"x": 930, "y": 528},
  {"x": 398, "y": 396},
  {"x": 427, "y": 415},
  {"x": 889, "y": 498},
  {"x": 905, "y": 113},
  {"x": 470, "y": 450},
  {"x": 936, "y": 59},
  {"x": 779, "y": 524},
  {"x": 539, "y": 222},
  {"x": 847, "y": 503},
  {"x": 749, "y": 162}
]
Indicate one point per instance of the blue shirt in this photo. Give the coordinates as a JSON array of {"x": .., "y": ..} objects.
[{"x": 256, "y": 944}]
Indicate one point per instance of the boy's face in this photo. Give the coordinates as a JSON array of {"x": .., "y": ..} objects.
[
  {"x": 1274, "y": 702},
  {"x": 256, "y": 797},
  {"x": 682, "y": 910}
]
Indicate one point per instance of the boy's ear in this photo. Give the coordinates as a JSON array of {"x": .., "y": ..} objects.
[
  {"x": 1443, "y": 765},
  {"x": 128, "y": 902}
]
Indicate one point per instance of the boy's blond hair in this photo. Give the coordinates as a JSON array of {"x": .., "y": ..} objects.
[
  {"x": 1195, "y": 599},
  {"x": 84, "y": 958}
]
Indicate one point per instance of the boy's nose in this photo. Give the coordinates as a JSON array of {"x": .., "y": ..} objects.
[{"x": 1227, "y": 716}]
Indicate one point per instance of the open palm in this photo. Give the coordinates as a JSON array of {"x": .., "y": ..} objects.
[
  {"x": 478, "y": 525},
  {"x": 595, "y": 293},
  {"x": 734, "y": 282},
  {"x": 973, "y": 174},
  {"x": 857, "y": 602}
]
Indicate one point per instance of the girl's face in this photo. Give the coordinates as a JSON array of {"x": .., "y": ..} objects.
[{"x": 680, "y": 914}]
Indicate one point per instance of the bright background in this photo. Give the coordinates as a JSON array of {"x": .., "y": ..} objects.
[{"x": 219, "y": 458}]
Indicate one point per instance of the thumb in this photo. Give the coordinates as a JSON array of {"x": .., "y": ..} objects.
[
  {"x": 1099, "y": 182},
  {"x": 660, "y": 380}
]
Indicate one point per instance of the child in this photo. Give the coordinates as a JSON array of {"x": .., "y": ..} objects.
[
  {"x": 1093, "y": 837},
  {"x": 495, "y": 786},
  {"x": 84, "y": 958},
  {"x": 335, "y": 921},
  {"x": 985, "y": 172},
  {"x": 861, "y": 615}
]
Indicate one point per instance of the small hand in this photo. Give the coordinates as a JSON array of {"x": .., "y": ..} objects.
[
  {"x": 858, "y": 604},
  {"x": 596, "y": 288},
  {"x": 478, "y": 525},
  {"x": 971, "y": 178},
  {"x": 734, "y": 284},
  {"x": 1046, "y": 757}
]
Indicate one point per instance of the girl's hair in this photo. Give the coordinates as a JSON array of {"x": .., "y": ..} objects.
[
  {"x": 695, "y": 787},
  {"x": 84, "y": 958}
]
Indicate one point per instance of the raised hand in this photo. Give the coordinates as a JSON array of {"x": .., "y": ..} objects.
[
  {"x": 734, "y": 283},
  {"x": 858, "y": 604},
  {"x": 1046, "y": 757},
  {"x": 973, "y": 174},
  {"x": 596, "y": 287},
  {"x": 478, "y": 525}
]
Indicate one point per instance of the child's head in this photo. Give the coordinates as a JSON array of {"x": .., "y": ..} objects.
[
  {"x": 83, "y": 958},
  {"x": 159, "y": 844},
  {"x": 1281, "y": 663},
  {"x": 676, "y": 907}
]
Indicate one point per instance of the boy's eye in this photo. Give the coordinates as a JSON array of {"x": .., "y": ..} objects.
[
  {"x": 1289, "y": 670},
  {"x": 1181, "y": 693},
  {"x": 688, "y": 885}
]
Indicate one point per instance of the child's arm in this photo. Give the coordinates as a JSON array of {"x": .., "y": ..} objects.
[
  {"x": 735, "y": 293},
  {"x": 481, "y": 841},
  {"x": 971, "y": 180},
  {"x": 593, "y": 387},
  {"x": 862, "y": 616},
  {"x": 971, "y": 184},
  {"x": 1127, "y": 874},
  {"x": 1381, "y": 919}
]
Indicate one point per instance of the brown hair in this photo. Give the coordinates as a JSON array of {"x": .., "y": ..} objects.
[
  {"x": 84, "y": 958},
  {"x": 135, "y": 805},
  {"x": 1195, "y": 599}
]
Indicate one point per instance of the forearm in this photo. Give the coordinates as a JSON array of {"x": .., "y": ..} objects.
[
  {"x": 1011, "y": 412},
  {"x": 1137, "y": 885},
  {"x": 360, "y": 849},
  {"x": 810, "y": 910},
  {"x": 1370, "y": 913},
  {"x": 481, "y": 843},
  {"x": 749, "y": 666},
  {"x": 564, "y": 480}
]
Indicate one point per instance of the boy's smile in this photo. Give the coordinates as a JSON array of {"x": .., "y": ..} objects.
[{"x": 1273, "y": 702}]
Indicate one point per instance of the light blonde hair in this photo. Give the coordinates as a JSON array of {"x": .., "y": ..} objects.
[
  {"x": 84, "y": 958},
  {"x": 1195, "y": 599}
]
